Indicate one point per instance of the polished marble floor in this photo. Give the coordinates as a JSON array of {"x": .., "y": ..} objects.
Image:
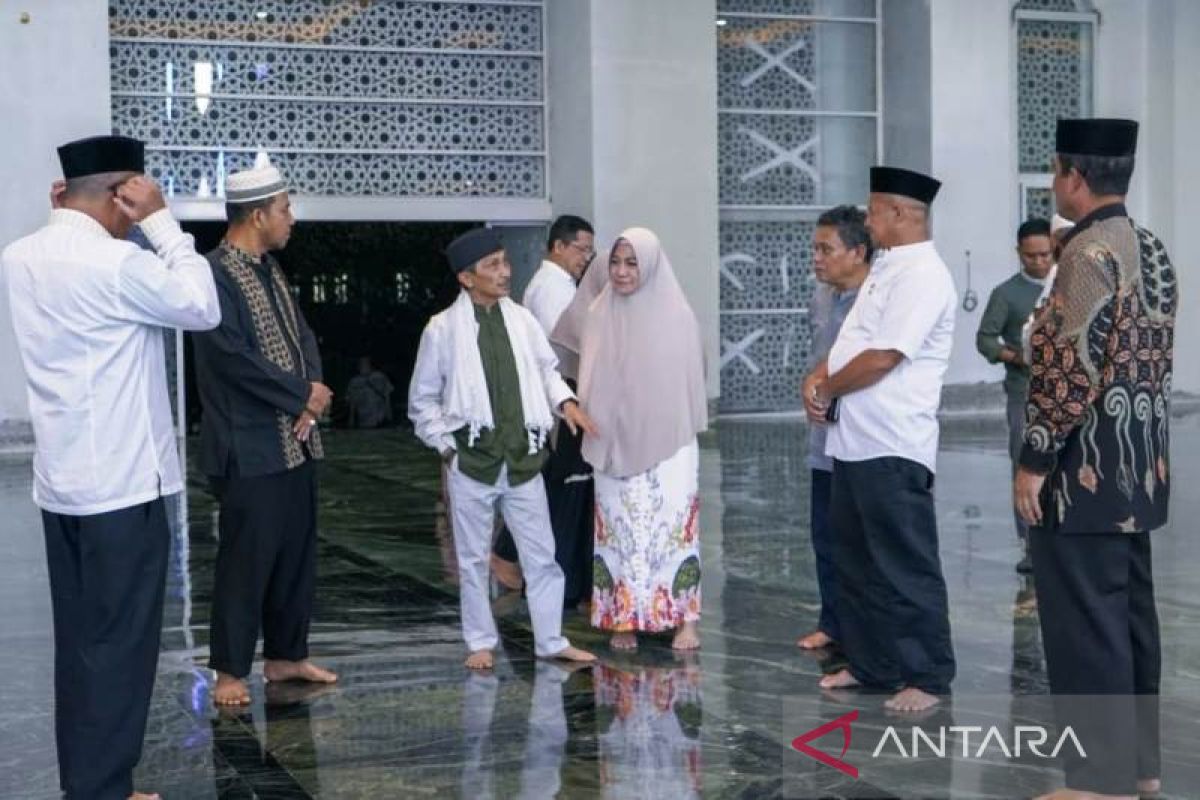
[{"x": 407, "y": 721}]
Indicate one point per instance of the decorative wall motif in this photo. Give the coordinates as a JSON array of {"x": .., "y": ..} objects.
[
  {"x": 1039, "y": 202},
  {"x": 1047, "y": 5},
  {"x": 298, "y": 124},
  {"x": 366, "y": 98},
  {"x": 767, "y": 69},
  {"x": 766, "y": 284},
  {"x": 1054, "y": 80},
  {"x": 775, "y": 160},
  {"x": 766, "y": 265},
  {"x": 767, "y": 6},
  {"x": 768, "y": 160},
  {"x": 323, "y": 72},
  {"x": 435, "y": 25}
]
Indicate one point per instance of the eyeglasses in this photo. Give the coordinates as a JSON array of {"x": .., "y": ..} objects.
[{"x": 588, "y": 252}]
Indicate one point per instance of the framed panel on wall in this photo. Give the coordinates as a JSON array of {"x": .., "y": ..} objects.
[
  {"x": 799, "y": 124},
  {"x": 1055, "y": 57}
]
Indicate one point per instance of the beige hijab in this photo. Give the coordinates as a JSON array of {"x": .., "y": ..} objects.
[{"x": 641, "y": 362}]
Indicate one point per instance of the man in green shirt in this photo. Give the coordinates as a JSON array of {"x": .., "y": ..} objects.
[
  {"x": 484, "y": 391},
  {"x": 999, "y": 336}
]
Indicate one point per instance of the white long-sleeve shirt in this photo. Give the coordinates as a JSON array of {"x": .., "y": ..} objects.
[
  {"x": 433, "y": 424},
  {"x": 89, "y": 311},
  {"x": 548, "y": 294}
]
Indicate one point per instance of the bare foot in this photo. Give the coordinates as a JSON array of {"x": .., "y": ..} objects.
[
  {"x": 575, "y": 654},
  {"x": 287, "y": 693},
  {"x": 143, "y": 796},
  {"x": 687, "y": 638},
  {"x": 230, "y": 691},
  {"x": 297, "y": 671},
  {"x": 1149, "y": 787},
  {"x": 842, "y": 679},
  {"x": 623, "y": 641},
  {"x": 911, "y": 699},
  {"x": 814, "y": 641},
  {"x": 480, "y": 659},
  {"x": 507, "y": 572},
  {"x": 1075, "y": 794}
]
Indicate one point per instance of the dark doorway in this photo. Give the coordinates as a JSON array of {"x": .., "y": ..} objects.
[{"x": 366, "y": 289}]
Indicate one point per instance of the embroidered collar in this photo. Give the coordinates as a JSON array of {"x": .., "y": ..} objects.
[
  {"x": 1098, "y": 215},
  {"x": 245, "y": 256}
]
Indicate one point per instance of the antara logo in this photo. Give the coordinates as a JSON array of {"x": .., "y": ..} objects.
[
  {"x": 1033, "y": 737},
  {"x": 843, "y": 723},
  {"x": 1025, "y": 738}
]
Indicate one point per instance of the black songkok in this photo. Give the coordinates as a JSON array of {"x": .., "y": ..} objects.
[
  {"x": 904, "y": 182},
  {"x": 97, "y": 154},
  {"x": 473, "y": 245},
  {"x": 1096, "y": 137}
]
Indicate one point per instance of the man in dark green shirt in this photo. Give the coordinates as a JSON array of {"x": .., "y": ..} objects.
[
  {"x": 506, "y": 445},
  {"x": 483, "y": 394},
  {"x": 999, "y": 336}
]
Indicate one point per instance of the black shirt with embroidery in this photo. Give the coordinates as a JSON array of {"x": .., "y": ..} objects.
[{"x": 254, "y": 371}]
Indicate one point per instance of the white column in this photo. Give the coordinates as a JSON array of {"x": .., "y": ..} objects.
[
  {"x": 635, "y": 143},
  {"x": 975, "y": 155},
  {"x": 1170, "y": 163},
  {"x": 54, "y": 87}
]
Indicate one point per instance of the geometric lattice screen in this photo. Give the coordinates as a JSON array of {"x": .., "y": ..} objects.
[
  {"x": 798, "y": 129},
  {"x": 1055, "y": 41},
  {"x": 367, "y": 98}
]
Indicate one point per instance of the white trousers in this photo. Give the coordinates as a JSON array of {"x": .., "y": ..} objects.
[{"x": 473, "y": 509}]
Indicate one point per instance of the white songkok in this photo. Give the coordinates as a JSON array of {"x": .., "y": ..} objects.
[
  {"x": 1060, "y": 223},
  {"x": 257, "y": 183}
]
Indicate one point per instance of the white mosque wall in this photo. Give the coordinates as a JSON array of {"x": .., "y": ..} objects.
[
  {"x": 1144, "y": 55},
  {"x": 53, "y": 88}
]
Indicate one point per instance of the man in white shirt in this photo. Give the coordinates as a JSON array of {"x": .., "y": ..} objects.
[
  {"x": 569, "y": 491},
  {"x": 570, "y": 247},
  {"x": 484, "y": 393},
  {"x": 88, "y": 309},
  {"x": 881, "y": 386}
]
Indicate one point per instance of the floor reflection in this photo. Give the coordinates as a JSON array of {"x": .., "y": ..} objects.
[
  {"x": 649, "y": 721},
  {"x": 407, "y": 721}
]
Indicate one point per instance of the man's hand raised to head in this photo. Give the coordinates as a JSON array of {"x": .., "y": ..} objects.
[{"x": 139, "y": 197}]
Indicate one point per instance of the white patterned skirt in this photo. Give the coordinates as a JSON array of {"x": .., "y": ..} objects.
[{"x": 647, "y": 563}]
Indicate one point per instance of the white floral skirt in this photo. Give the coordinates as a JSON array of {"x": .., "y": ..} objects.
[{"x": 647, "y": 563}]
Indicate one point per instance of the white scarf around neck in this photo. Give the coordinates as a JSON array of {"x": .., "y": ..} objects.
[{"x": 466, "y": 395}]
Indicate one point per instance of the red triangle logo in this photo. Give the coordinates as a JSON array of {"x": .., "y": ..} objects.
[{"x": 842, "y": 723}]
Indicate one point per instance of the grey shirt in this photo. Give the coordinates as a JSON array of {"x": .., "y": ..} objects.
[{"x": 827, "y": 312}]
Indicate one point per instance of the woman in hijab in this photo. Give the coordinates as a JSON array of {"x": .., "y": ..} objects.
[{"x": 641, "y": 378}]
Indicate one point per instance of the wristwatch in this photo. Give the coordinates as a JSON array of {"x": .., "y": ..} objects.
[{"x": 448, "y": 455}]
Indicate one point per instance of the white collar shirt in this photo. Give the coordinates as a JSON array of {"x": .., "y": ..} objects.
[
  {"x": 548, "y": 294},
  {"x": 907, "y": 304},
  {"x": 89, "y": 311}
]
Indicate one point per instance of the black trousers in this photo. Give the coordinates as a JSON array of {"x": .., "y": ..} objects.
[
  {"x": 822, "y": 542},
  {"x": 891, "y": 606},
  {"x": 266, "y": 568},
  {"x": 107, "y": 578},
  {"x": 1100, "y": 632},
  {"x": 570, "y": 494}
]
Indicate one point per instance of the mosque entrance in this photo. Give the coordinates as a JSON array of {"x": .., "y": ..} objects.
[{"x": 366, "y": 289}]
